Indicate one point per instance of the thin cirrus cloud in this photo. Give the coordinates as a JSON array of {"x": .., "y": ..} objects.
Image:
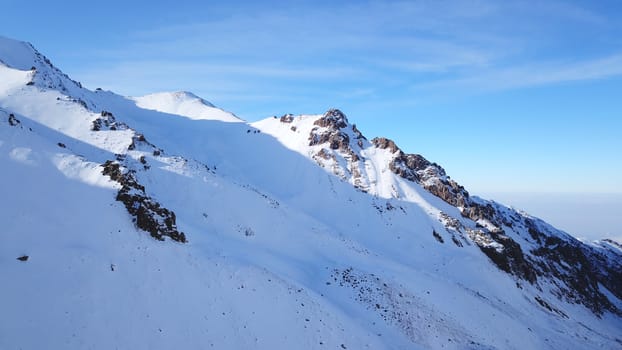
[
  {"x": 530, "y": 75},
  {"x": 482, "y": 45},
  {"x": 314, "y": 34}
]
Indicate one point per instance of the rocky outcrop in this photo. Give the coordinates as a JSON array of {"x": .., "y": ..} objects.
[
  {"x": 510, "y": 258},
  {"x": 148, "y": 214},
  {"x": 332, "y": 119},
  {"x": 431, "y": 176},
  {"x": 574, "y": 269},
  {"x": 13, "y": 121},
  {"x": 107, "y": 121},
  {"x": 329, "y": 130},
  {"x": 384, "y": 143},
  {"x": 335, "y": 139},
  {"x": 581, "y": 267},
  {"x": 287, "y": 118}
]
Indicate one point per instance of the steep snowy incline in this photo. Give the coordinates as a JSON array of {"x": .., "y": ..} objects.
[
  {"x": 336, "y": 145},
  {"x": 516, "y": 243},
  {"x": 186, "y": 104},
  {"x": 17, "y": 54},
  {"x": 89, "y": 279},
  {"x": 256, "y": 246}
]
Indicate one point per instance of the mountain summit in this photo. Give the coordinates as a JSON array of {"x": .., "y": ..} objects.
[
  {"x": 186, "y": 104},
  {"x": 165, "y": 222}
]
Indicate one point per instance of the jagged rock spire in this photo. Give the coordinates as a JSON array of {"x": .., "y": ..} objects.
[{"x": 333, "y": 118}]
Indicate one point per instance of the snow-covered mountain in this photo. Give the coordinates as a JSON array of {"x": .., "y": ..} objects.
[
  {"x": 185, "y": 104},
  {"x": 164, "y": 222}
]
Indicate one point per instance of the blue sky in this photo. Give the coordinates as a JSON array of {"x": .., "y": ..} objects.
[{"x": 509, "y": 96}]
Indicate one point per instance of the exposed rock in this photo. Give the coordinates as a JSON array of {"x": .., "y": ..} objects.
[
  {"x": 332, "y": 119},
  {"x": 335, "y": 138},
  {"x": 448, "y": 190},
  {"x": 438, "y": 236},
  {"x": 13, "y": 121},
  {"x": 476, "y": 211},
  {"x": 107, "y": 121},
  {"x": 575, "y": 269},
  {"x": 139, "y": 139},
  {"x": 287, "y": 118},
  {"x": 582, "y": 269},
  {"x": 384, "y": 143},
  {"x": 431, "y": 176},
  {"x": 329, "y": 131},
  {"x": 148, "y": 214},
  {"x": 510, "y": 258},
  {"x": 324, "y": 154}
]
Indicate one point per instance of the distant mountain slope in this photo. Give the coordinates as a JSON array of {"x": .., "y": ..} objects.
[
  {"x": 163, "y": 222},
  {"x": 518, "y": 244},
  {"x": 186, "y": 104}
]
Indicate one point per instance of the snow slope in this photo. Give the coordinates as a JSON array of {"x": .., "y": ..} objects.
[
  {"x": 186, "y": 104},
  {"x": 288, "y": 242}
]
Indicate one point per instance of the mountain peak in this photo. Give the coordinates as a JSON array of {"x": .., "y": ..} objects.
[
  {"x": 186, "y": 104},
  {"x": 17, "y": 54},
  {"x": 333, "y": 118},
  {"x": 187, "y": 95},
  {"x": 178, "y": 97},
  {"x": 21, "y": 55}
]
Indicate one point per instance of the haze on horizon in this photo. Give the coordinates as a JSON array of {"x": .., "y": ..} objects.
[{"x": 516, "y": 100}]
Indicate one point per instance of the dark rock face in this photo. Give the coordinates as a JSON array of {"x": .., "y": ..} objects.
[
  {"x": 384, "y": 143},
  {"x": 332, "y": 119},
  {"x": 329, "y": 131},
  {"x": 431, "y": 176},
  {"x": 575, "y": 269},
  {"x": 107, "y": 121},
  {"x": 148, "y": 214},
  {"x": 580, "y": 266},
  {"x": 140, "y": 140},
  {"x": 511, "y": 259},
  {"x": 13, "y": 121},
  {"x": 287, "y": 118},
  {"x": 335, "y": 138}
]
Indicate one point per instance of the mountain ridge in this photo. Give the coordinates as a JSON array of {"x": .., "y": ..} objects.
[
  {"x": 503, "y": 250},
  {"x": 355, "y": 238}
]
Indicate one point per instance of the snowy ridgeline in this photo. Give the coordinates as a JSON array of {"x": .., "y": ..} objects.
[{"x": 163, "y": 221}]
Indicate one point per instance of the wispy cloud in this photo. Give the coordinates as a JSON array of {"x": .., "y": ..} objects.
[
  {"x": 533, "y": 74},
  {"x": 480, "y": 44}
]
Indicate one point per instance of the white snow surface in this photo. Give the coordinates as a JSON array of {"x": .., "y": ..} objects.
[
  {"x": 185, "y": 104},
  {"x": 16, "y": 54},
  {"x": 281, "y": 252}
]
